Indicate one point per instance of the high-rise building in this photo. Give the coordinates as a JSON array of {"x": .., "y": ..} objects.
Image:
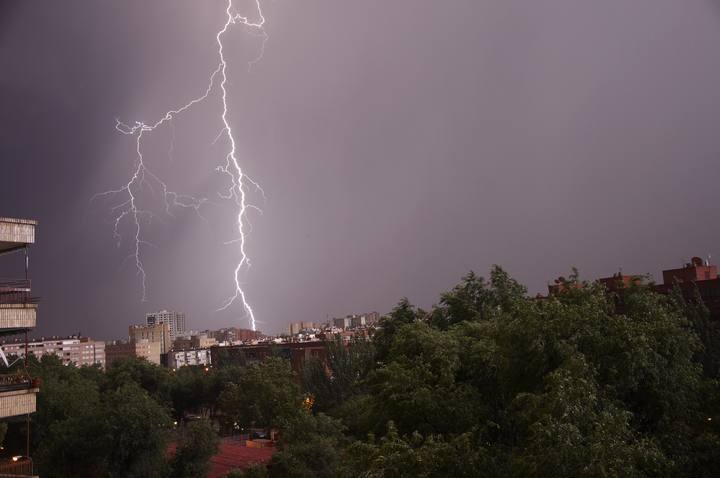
[
  {"x": 159, "y": 332},
  {"x": 175, "y": 321},
  {"x": 18, "y": 315},
  {"x": 298, "y": 327},
  {"x": 356, "y": 321},
  {"x": 77, "y": 351}
]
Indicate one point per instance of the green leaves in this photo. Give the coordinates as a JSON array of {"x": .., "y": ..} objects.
[
  {"x": 86, "y": 432},
  {"x": 493, "y": 383},
  {"x": 265, "y": 395},
  {"x": 192, "y": 458},
  {"x": 584, "y": 383}
]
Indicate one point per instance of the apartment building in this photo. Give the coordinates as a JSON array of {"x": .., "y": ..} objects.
[
  {"x": 174, "y": 320},
  {"x": 76, "y": 351}
]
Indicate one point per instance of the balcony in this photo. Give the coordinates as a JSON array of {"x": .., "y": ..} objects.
[
  {"x": 16, "y": 233},
  {"x": 11, "y": 382},
  {"x": 16, "y": 467},
  {"x": 18, "y": 309},
  {"x": 17, "y": 394}
]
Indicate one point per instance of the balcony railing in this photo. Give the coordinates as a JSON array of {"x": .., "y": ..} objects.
[
  {"x": 20, "y": 466},
  {"x": 16, "y": 291},
  {"x": 15, "y": 381}
]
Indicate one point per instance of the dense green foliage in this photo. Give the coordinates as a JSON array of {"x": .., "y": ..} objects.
[
  {"x": 87, "y": 427},
  {"x": 264, "y": 395},
  {"x": 119, "y": 423},
  {"x": 489, "y": 383},
  {"x": 192, "y": 458},
  {"x": 493, "y": 383}
]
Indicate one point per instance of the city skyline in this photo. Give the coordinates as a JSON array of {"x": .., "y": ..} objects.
[{"x": 535, "y": 137}]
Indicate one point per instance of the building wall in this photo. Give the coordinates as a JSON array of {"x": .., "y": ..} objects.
[
  {"x": 177, "y": 359},
  {"x": 153, "y": 333},
  {"x": 175, "y": 321},
  {"x": 18, "y": 316},
  {"x": 231, "y": 334},
  {"x": 21, "y": 231},
  {"x": 150, "y": 351},
  {"x": 694, "y": 271},
  {"x": 143, "y": 348},
  {"x": 182, "y": 343},
  {"x": 118, "y": 351},
  {"x": 19, "y": 402},
  {"x": 202, "y": 341},
  {"x": 297, "y": 353},
  {"x": 70, "y": 350}
]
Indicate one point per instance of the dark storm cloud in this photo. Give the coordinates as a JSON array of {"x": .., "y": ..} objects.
[{"x": 400, "y": 144}]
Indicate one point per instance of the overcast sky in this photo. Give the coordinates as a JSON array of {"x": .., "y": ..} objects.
[{"x": 399, "y": 143}]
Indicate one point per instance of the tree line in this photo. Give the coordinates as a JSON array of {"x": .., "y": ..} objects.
[{"x": 487, "y": 383}]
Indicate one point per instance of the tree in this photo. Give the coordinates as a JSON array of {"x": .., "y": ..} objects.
[
  {"x": 266, "y": 395},
  {"x": 254, "y": 471},
  {"x": 138, "y": 426},
  {"x": 120, "y": 433},
  {"x": 404, "y": 313},
  {"x": 152, "y": 378},
  {"x": 311, "y": 447},
  {"x": 396, "y": 456},
  {"x": 417, "y": 388},
  {"x": 333, "y": 381},
  {"x": 193, "y": 390},
  {"x": 199, "y": 444}
]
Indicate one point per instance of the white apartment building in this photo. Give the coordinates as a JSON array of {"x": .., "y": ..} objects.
[
  {"x": 181, "y": 358},
  {"x": 175, "y": 321},
  {"x": 72, "y": 350}
]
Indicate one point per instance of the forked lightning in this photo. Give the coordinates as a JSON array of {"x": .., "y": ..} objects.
[{"x": 129, "y": 209}]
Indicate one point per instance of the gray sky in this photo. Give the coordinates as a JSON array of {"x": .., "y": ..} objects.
[{"x": 400, "y": 144}]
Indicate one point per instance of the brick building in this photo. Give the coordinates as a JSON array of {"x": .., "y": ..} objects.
[{"x": 696, "y": 275}]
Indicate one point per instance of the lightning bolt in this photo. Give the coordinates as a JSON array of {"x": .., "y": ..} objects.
[{"x": 129, "y": 209}]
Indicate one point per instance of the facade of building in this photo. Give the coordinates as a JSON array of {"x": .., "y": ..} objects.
[
  {"x": 175, "y": 321},
  {"x": 159, "y": 332},
  {"x": 182, "y": 343},
  {"x": 233, "y": 334},
  {"x": 202, "y": 341},
  {"x": 356, "y": 320},
  {"x": 341, "y": 322},
  {"x": 247, "y": 335},
  {"x": 77, "y": 351},
  {"x": 298, "y": 327},
  {"x": 18, "y": 314},
  {"x": 697, "y": 276},
  {"x": 143, "y": 348},
  {"x": 298, "y": 353},
  {"x": 181, "y": 358}
]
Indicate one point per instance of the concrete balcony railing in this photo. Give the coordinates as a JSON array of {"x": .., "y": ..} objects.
[
  {"x": 16, "y": 318},
  {"x": 16, "y": 233},
  {"x": 10, "y": 382},
  {"x": 18, "y": 309},
  {"x": 18, "y": 402},
  {"x": 17, "y": 394},
  {"x": 16, "y": 467},
  {"x": 16, "y": 291}
]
